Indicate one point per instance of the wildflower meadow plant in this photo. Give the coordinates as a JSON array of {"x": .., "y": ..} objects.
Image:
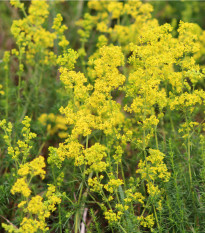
[{"x": 106, "y": 135}]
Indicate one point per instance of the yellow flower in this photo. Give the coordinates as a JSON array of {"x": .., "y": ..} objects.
[
  {"x": 147, "y": 221},
  {"x": 21, "y": 186},
  {"x": 1, "y": 92},
  {"x": 17, "y": 3},
  {"x": 36, "y": 167},
  {"x": 113, "y": 184}
]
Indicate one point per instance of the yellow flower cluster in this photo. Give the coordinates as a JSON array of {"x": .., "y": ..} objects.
[
  {"x": 55, "y": 124},
  {"x": 157, "y": 168},
  {"x": 63, "y": 42},
  {"x": 95, "y": 185},
  {"x": 137, "y": 73},
  {"x": 152, "y": 169},
  {"x": 113, "y": 184},
  {"x": 69, "y": 149},
  {"x": 133, "y": 197},
  {"x": 38, "y": 208},
  {"x": 147, "y": 221},
  {"x": 1, "y": 91},
  {"x": 105, "y": 12},
  {"x": 31, "y": 36},
  {"x": 22, "y": 187},
  {"x": 87, "y": 111},
  {"x": 23, "y": 147},
  {"x": 34, "y": 168},
  {"x": 188, "y": 100},
  {"x": 32, "y": 205},
  {"x": 17, "y": 4},
  {"x": 93, "y": 157},
  {"x": 188, "y": 128},
  {"x": 6, "y": 60},
  {"x": 112, "y": 216},
  {"x": 52, "y": 198}
]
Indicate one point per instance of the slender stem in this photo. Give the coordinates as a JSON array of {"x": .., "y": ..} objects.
[
  {"x": 189, "y": 160},
  {"x": 123, "y": 175},
  {"x": 188, "y": 150},
  {"x": 155, "y": 213},
  {"x": 19, "y": 98},
  {"x": 59, "y": 216},
  {"x": 76, "y": 222},
  {"x": 81, "y": 190},
  {"x": 19, "y": 80},
  {"x": 59, "y": 206},
  {"x": 122, "y": 228},
  {"x": 7, "y": 93},
  {"x": 156, "y": 139}
]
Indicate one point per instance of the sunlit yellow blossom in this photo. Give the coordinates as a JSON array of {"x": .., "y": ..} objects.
[
  {"x": 113, "y": 185},
  {"x": 36, "y": 167},
  {"x": 21, "y": 187},
  {"x": 147, "y": 221}
]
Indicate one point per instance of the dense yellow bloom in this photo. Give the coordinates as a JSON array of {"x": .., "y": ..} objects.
[
  {"x": 93, "y": 158},
  {"x": 156, "y": 168},
  {"x": 76, "y": 82},
  {"x": 112, "y": 217},
  {"x": 21, "y": 204},
  {"x": 29, "y": 225},
  {"x": 24, "y": 170},
  {"x": 55, "y": 124},
  {"x": 106, "y": 11},
  {"x": 121, "y": 207},
  {"x": 22, "y": 187},
  {"x": 71, "y": 149},
  {"x": 38, "y": 208},
  {"x": 133, "y": 196},
  {"x": 118, "y": 154},
  {"x": 188, "y": 100},
  {"x": 153, "y": 190},
  {"x": 31, "y": 36},
  {"x": 34, "y": 168},
  {"x": 95, "y": 185},
  {"x": 147, "y": 221},
  {"x": 53, "y": 198},
  {"x": 17, "y": 4},
  {"x": 137, "y": 74},
  {"x": 38, "y": 11},
  {"x": 35, "y": 205},
  {"x": 113, "y": 184},
  {"x": 115, "y": 8}
]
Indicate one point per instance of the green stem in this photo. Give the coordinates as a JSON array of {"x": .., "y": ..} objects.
[
  {"x": 189, "y": 150},
  {"x": 122, "y": 228},
  {"x": 7, "y": 93},
  {"x": 18, "y": 97},
  {"x": 76, "y": 222},
  {"x": 19, "y": 80},
  {"x": 189, "y": 160},
  {"x": 59, "y": 216},
  {"x": 156, "y": 139},
  {"x": 155, "y": 213},
  {"x": 59, "y": 206},
  {"x": 123, "y": 175},
  {"x": 81, "y": 190}
]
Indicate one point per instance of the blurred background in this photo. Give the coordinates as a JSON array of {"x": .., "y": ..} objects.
[{"x": 165, "y": 11}]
